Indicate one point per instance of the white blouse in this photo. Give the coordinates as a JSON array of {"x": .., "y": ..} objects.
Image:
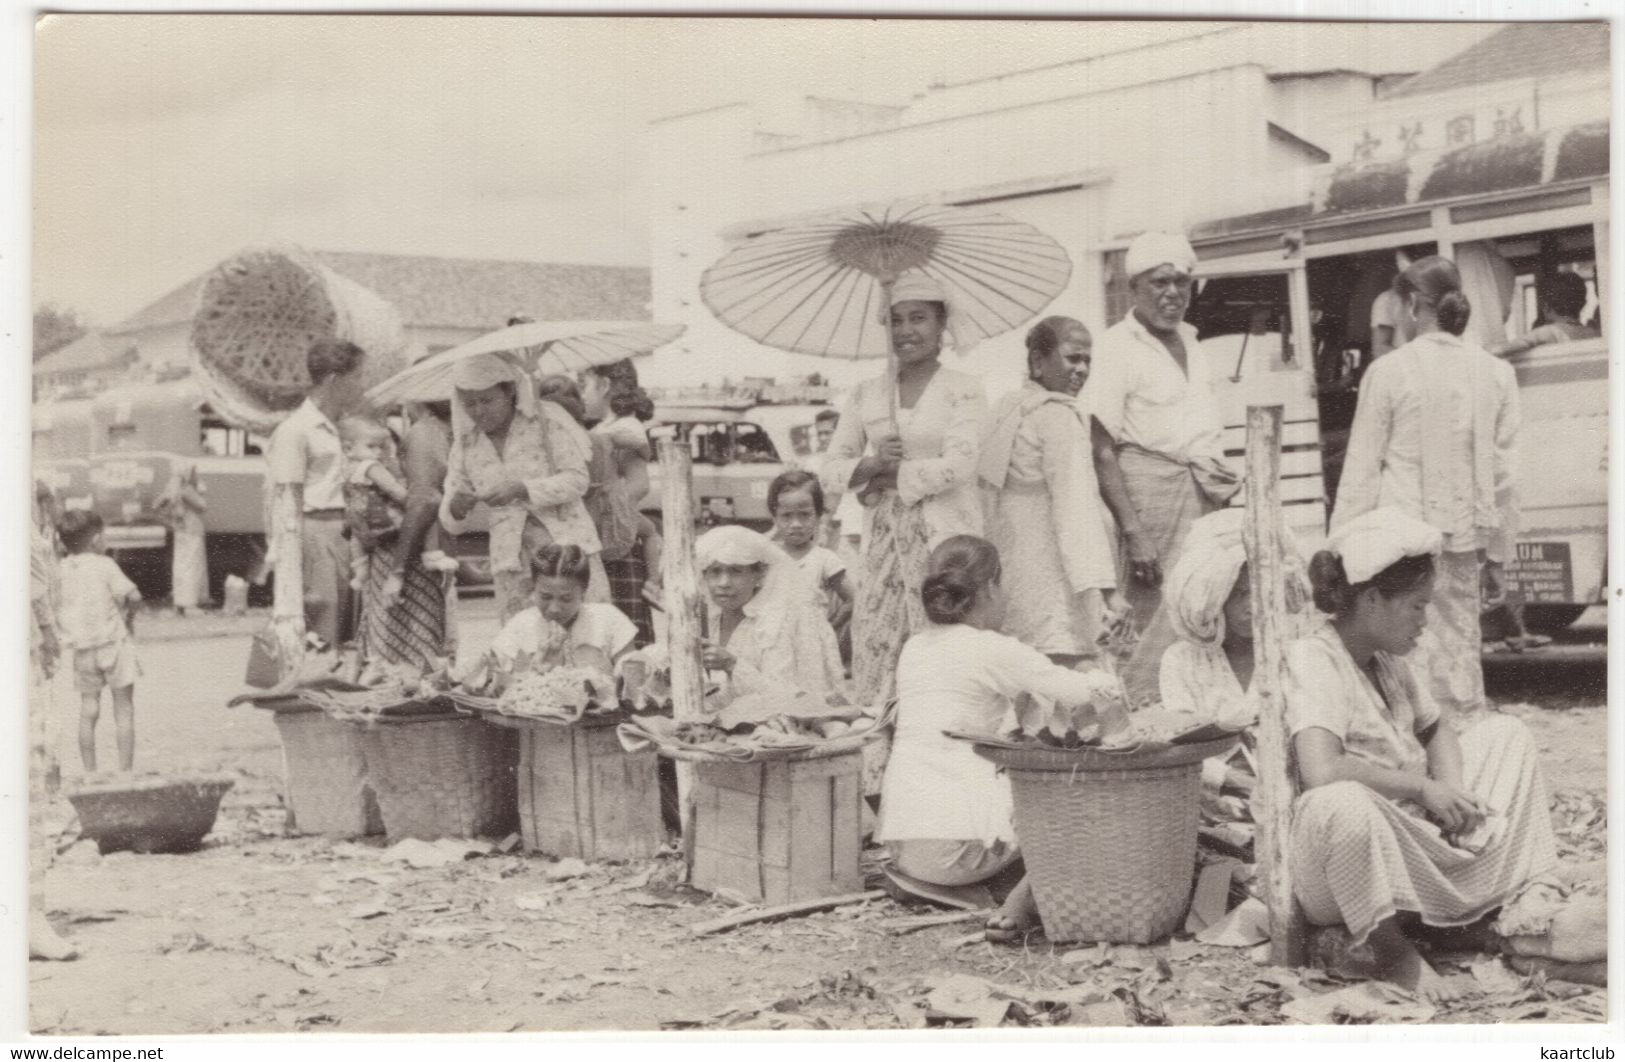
[
  {"x": 941, "y": 440},
  {"x": 955, "y": 677}
]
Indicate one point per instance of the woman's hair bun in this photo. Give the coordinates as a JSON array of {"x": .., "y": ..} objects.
[
  {"x": 949, "y": 596},
  {"x": 1330, "y": 582},
  {"x": 1454, "y": 312}
]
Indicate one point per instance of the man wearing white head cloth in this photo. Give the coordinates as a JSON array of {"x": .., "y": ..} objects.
[
  {"x": 526, "y": 461},
  {"x": 1157, "y": 436}
]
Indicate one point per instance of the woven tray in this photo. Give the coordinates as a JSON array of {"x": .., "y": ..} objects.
[
  {"x": 1142, "y": 757},
  {"x": 824, "y": 749},
  {"x": 489, "y": 709}
]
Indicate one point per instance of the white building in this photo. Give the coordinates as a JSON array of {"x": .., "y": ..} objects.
[{"x": 1147, "y": 130}]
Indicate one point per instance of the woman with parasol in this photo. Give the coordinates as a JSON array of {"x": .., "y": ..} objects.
[
  {"x": 914, "y": 469},
  {"x": 526, "y": 461}
]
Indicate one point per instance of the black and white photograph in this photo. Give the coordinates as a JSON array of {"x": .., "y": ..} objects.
[{"x": 781, "y": 525}]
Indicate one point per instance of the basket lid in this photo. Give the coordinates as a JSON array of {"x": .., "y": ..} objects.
[{"x": 1084, "y": 760}]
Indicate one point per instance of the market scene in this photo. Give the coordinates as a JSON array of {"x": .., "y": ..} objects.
[{"x": 1111, "y": 535}]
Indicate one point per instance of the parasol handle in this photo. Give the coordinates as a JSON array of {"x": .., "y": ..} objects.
[{"x": 887, "y": 282}]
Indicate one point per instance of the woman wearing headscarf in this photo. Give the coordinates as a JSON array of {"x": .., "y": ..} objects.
[
  {"x": 766, "y": 630},
  {"x": 184, "y": 505},
  {"x": 1208, "y": 668},
  {"x": 526, "y": 461},
  {"x": 1435, "y": 436},
  {"x": 408, "y": 606},
  {"x": 1402, "y": 815},
  {"x": 914, "y": 472},
  {"x": 1042, "y": 504}
]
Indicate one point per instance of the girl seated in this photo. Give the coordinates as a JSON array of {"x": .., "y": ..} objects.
[
  {"x": 945, "y": 812},
  {"x": 766, "y": 631},
  {"x": 596, "y": 634},
  {"x": 1399, "y": 816}
]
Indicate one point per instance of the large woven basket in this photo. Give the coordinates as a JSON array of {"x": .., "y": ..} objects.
[
  {"x": 147, "y": 814},
  {"x": 257, "y": 316},
  {"x": 449, "y": 776},
  {"x": 1109, "y": 839},
  {"x": 324, "y": 766}
]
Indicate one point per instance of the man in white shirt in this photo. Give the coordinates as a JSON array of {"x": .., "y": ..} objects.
[
  {"x": 1157, "y": 436},
  {"x": 305, "y": 453}
]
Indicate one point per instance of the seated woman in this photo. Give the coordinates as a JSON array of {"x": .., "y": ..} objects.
[
  {"x": 766, "y": 631},
  {"x": 945, "y": 812},
  {"x": 598, "y": 634},
  {"x": 1209, "y": 667},
  {"x": 1399, "y": 815}
]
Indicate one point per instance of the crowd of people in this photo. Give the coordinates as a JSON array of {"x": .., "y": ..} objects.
[{"x": 1001, "y": 549}]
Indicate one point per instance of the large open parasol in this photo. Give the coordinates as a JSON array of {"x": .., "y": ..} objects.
[
  {"x": 823, "y": 287},
  {"x": 540, "y": 347}
]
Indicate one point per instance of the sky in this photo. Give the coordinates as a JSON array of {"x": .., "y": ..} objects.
[{"x": 163, "y": 143}]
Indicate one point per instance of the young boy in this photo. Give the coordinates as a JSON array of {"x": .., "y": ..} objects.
[{"x": 98, "y": 610}]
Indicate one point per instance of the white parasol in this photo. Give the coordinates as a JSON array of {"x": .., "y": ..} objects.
[
  {"x": 539, "y": 347},
  {"x": 823, "y": 287}
]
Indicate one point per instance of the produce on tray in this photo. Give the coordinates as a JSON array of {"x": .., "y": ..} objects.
[{"x": 762, "y": 726}]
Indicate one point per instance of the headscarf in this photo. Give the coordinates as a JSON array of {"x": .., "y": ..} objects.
[
  {"x": 1374, "y": 540},
  {"x": 736, "y": 546},
  {"x": 1209, "y": 564},
  {"x": 999, "y": 441},
  {"x": 915, "y": 286},
  {"x": 1152, "y": 249},
  {"x": 481, "y": 371}
]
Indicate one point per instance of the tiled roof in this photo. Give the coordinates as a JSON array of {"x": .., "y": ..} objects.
[
  {"x": 457, "y": 292},
  {"x": 1521, "y": 50},
  {"x": 93, "y": 350}
]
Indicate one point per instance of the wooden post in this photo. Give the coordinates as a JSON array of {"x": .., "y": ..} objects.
[
  {"x": 288, "y": 591},
  {"x": 685, "y": 615},
  {"x": 1267, "y": 573}
]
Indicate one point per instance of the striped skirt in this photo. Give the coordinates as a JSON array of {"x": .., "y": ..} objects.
[
  {"x": 1358, "y": 858},
  {"x": 418, "y": 630}
]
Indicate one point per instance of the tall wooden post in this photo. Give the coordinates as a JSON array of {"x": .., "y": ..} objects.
[
  {"x": 1267, "y": 576},
  {"x": 288, "y": 591},
  {"x": 684, "y": 609}
]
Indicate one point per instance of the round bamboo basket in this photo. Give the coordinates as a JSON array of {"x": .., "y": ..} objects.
[{"x": 257, "y": 316}]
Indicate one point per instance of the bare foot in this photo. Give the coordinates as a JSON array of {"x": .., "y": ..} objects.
[
  {"x": 1400, "y": 963},
  {"x": 1016, "y": 917}
]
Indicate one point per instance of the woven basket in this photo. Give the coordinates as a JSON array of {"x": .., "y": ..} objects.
[
  {"x": 152, "y": 814},
  {"x": 324, "y": 766},
  {"x": 446, "y": 776},
  {"x": 1110, "y": 849},
  {"x": 257, "y": 316}
]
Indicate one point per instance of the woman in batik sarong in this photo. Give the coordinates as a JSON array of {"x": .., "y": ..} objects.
[
  {"x": 1403, "y": 816},
  {"x": 1435, "y": 435},
  {"x": 914, "y": 470}
]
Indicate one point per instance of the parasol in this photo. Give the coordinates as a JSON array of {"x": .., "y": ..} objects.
[
  {"x": 538, "y": 346},
  {"x": 823, "y": 287}
]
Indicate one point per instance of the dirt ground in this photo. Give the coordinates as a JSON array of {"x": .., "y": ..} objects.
[{"x": 261, "y": 932}]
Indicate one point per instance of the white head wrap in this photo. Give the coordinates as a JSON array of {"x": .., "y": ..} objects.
[
  {"x": 1152, "y": 249},
  {"x": 483, "y": 371},
  {"x": 735, "y": 546},
  {"x": 1210, "y": 562},
  {"x": 915, "y": 286},
  {"x": 1377, "y": 539}
]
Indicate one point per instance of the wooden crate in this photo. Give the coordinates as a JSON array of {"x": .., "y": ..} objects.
[
  {"x": 326, "y": 788},
  {"x": 581, "y": 794},
  {"x": 781, "y": 830}
]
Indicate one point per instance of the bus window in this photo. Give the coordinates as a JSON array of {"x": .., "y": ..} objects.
[
  {"x": 753, "y": 446},
  {"x": 1244, "y": 324}
]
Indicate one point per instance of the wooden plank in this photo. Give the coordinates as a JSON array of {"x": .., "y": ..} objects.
[
  {"x": 783, "y": 911},
  {"x": 288, "y": 588},
  {"x": 1266, "y": 572},
  {"x": 684, "y": 609},
  {"x": 1293, "y": 434},
  {"x": 846, "y": 829},
  {"x": 808, "y": 841}
]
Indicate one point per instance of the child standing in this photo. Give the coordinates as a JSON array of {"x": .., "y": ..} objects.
[
  {"x": 796, "y": 501},
  {"x": 98, "y": 613}
]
